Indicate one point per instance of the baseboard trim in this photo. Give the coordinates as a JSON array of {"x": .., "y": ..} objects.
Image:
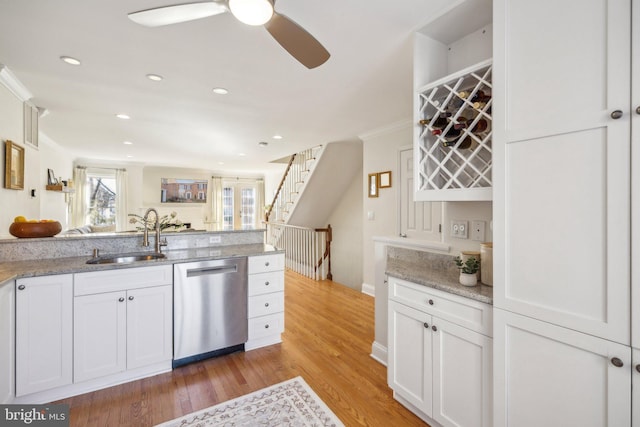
[
  {"x": 379, "y": 353},
  {"x": 368, "y": 289}
]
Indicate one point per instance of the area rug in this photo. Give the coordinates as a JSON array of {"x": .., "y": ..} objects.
[{"x": 290, "y": 403}]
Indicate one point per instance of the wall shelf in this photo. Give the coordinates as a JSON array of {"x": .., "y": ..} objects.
[{"x": 60, "y": 188}]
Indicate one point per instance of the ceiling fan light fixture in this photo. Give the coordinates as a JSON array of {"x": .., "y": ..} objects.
[{"x": 252, "y": 12}]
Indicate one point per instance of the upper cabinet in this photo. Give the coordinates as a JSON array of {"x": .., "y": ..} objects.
[{"x": 453, "y": 104}]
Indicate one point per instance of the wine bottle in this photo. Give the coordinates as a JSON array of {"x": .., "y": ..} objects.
[
  {"x": 480, "y": 96},
  {"x": 480, "y": 126},
  {"x": 440, "y": 123},
  {"x": 464, "y": 94}
]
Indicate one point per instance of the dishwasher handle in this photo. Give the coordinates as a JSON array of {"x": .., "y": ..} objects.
[{"x": 209, "y": 271}]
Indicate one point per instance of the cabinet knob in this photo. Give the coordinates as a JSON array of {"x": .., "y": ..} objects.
[
  {"x": 131, "y": 298},
  {"x": 266, "y": 264},
  {"x": 266, "y": 283},
  {"x": 434, "y": 328},
  {"x": 430, "y": 302},
  {"x": 638, "y": 368},
  {"x": 616, "y": 114},
  {"x": 638, "y": 109},
  {"x": 21, "y": 287},
  {"x": 121, "y": 299},
  {"x": 426, "y": 325},
  {"x": 266, "y": 326},
  {"x": 617, "y": 362},
  {"x": 266, "y": 304}
]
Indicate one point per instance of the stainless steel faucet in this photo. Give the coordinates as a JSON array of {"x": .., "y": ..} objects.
[{"x": 145, "y": 237}]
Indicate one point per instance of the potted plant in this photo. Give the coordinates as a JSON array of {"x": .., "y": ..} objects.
[{"x": 468, "y": 270}]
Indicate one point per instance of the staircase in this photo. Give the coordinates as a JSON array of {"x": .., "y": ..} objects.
[{"x": 310, "y": 189}]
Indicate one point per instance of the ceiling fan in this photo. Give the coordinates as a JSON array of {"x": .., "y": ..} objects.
[{"x": 291, "y": 36}]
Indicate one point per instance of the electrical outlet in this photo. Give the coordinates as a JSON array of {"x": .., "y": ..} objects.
[
  {"x": 459, "y": 229},
  {"x": 477, "y": 230},
  {"x": 215, "y": 239}
]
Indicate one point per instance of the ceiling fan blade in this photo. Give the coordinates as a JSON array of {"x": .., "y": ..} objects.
[
  {"x": 177, "y": 13},
  {"x": 297, "y": 41}
]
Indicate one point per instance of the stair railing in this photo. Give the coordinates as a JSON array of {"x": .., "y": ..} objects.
[{"x": 307, "y": 250}]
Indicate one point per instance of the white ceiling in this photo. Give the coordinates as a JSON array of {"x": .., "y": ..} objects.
[{"x": 365, "y": 85}]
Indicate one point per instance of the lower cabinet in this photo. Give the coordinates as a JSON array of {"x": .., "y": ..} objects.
[
  {"x": 265, "y": 300},
  {"x": 440, "y": 370},
  {"x": 128, "y": 328},
  {"x": 553, "y": 376},
  {"x": 7, "y": 337},
  {"x": 44, "y": 333}
]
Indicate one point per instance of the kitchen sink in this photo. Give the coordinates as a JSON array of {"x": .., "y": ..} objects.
[{"x": 126, "y": 258}]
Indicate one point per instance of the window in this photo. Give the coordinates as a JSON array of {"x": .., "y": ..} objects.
[
  {"x": 101, "y": 198},
  {"x": 240, "y": 206}
]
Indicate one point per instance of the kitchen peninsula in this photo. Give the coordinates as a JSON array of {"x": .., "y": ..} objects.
[{"x": 56, "y": 308}]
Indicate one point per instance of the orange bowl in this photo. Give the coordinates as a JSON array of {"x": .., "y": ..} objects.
[{"x": 35, "y": 229}]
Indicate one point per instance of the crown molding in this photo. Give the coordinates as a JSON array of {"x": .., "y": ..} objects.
[
  {"x": 393, "y": 127},
  {"x": 11, "y": 82}
]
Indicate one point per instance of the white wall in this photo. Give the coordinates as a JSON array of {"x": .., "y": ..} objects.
[{"x": 346, "y": 248}]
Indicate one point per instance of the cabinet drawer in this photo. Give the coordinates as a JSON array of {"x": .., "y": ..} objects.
[
  {"x": 262, "y": 305},
  {"x": 264, "y": 263},
  {"x": 462, "y": 311},
  {"x": 265, "y": 283},
  {"x": 266, "y": 325},
  {"x": 97, "y": 282}
]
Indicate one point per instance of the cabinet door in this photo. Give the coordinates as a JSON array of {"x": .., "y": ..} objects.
[
  {"x": 44, "y": 315},
  {"x": 562, "y": 169},
  {"x": 99, "y": 335},
  {"x": 7, "y": 336},
  {"x": 462, "y": 376},
  {"x": 635, "y": 388},
  {"x": 409, "y": 360},
  {"x": 635, "y": 177},
  {"x": 149, "y": 326},
  {"x": 547, "y": 375}
]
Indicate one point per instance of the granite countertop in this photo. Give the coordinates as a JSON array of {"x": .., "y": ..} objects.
[
  {"x": 438, "y": 279},
  {"x": 41, "y": 267}
]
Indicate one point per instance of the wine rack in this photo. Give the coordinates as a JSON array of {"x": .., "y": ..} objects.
[{"x": 454, "y": 153}]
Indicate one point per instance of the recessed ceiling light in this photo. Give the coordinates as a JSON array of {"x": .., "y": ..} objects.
[
  {"x": 123, "y": 116},
  {"x": 129, "y": 156},
  {"x": 277, "y": 137},
  {"x": 69, "y": 60},
  {"x": 220, "y": 90},
  {"x": 127, "y": 142},
  {"x": 221, "y": 163},
  {"x": 241, "y": 154},
  {"x": 263, "y": 143},
  {"x": 154, "y": 77}
]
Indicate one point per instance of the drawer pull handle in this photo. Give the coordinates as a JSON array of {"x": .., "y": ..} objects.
[
  {"x": 434, "y": 328},
  {"x": 616, "y": 114},
  {"x": 121, "y": 299},
  {"x": 266, "y": 283},
  {"x": 21, "y": 287},
  {"x": 266, "y": 326},
  {"x": 638, "y": 368},
  {"x": 266, "y": 304},
  {"x": 266, "y": 264},
  {"x": 426, "y": 325},
  {"x": 131, "y": 298},
  {"x": 617, "y": 362},
  {"x": 430, "y": 302}
]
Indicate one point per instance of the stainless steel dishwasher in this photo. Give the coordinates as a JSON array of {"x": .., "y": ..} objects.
[{"x": 210, "y": 309}]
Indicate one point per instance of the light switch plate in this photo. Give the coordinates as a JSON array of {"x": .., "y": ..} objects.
[{"x": 477, "y": 230}]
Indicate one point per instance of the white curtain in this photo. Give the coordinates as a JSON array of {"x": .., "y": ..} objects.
[
  {"x": 260, "y": 201},
  {"x": 121, "y": 200},
  {"x": 79, "y": 205},
  {"x": 216, "y": 203}
]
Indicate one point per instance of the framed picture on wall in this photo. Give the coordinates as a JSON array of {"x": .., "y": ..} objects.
[
  {"x": 372, "y": 185},
  {"x": 13, "y": 166},
  {"x": 385, "y": 179}
]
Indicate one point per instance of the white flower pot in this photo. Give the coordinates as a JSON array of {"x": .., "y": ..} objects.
[{"x": 468, "y": 279}]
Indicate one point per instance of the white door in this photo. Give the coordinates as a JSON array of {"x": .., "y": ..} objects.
[
  {"x": 241, "y": 206},
  {"x": 462, "y": 376},
  {"x": 149, "y": 326},
  {"x": 409, "y": 360},
  {"x": 418, "y": 220},
  {"x": 44, "y": 333},
  {"x": 550, "y": 376},
  {"x": 99, "y": 335},
  {"x": 561, "y": 194}
]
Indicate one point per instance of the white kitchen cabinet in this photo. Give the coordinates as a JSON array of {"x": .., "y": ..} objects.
[
  {"x": 635, "y": 385},
  {"x": 439, "y": 369},
  {"x": 126, "y": 329},
  {"x": 7, "y": 336},
  {"x": 553, "y": 376},
  {"x": 265, "y": 300},
  {"x": 44, "y": 328}
]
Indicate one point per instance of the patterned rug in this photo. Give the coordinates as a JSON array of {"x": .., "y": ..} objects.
[{"x": 288, "y": 404}]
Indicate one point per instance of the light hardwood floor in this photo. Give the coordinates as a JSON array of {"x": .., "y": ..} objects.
[{"x": 329, "y": 330}]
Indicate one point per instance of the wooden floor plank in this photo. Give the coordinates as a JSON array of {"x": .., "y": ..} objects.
[{"x": 329, "y": 329}]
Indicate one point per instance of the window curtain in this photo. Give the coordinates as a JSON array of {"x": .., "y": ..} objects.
[
  {"x": 260, "y": 202},
  {"x": 121, "y": 200},
  {"x": 79, "y": 206},
  {"x": 216, "y": 203}
]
